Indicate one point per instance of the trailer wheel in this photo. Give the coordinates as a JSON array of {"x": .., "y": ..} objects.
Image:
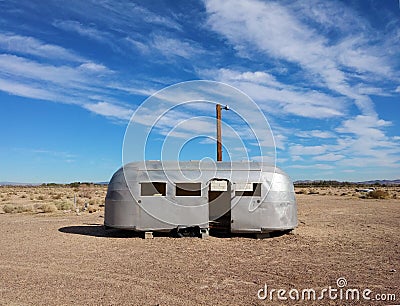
[{"x": 181, "y": 232}]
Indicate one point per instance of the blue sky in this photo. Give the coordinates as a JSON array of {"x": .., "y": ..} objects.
[{"x": 324, "y": 73}]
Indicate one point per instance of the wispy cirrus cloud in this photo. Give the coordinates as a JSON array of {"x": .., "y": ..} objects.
[
  {"x": 341, "y": 65},
  {"x": 279, "y": 98},
  {"x": 109, "y": 110},
  {"x": 278, "y": 32},
  {"x": 315, "y": 134},
  {"x": 167, "y": 45},
  {"x": 86, "y": 31},
  {"x": 13, "y": 43},
  {"x": 86, "y": 84},
  {"x": 27, "y": 90}
]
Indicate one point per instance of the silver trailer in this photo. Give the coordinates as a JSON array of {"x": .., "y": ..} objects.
[{"x": 238, "y": 197}]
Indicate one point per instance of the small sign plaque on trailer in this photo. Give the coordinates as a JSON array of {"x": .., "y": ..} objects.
[{"x": 219, "y": 186}]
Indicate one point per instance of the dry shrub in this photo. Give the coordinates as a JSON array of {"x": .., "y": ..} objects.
[
  {"x": 57, "y": 196},
  {"x": 302, "y": 191},
  {"x": 8, "y": 208},
  {"x": 41, "y": 197},
  {"x": 313, "y": 192},
  {"x": 79, "y": 201},
  {"x": 91, "y": 209},
  {"x": 23, "y": 208},
  {"x": 64, "y": 206},
  {"x": 92, "y": 202},
  {"x": 378, "y": 194},
  {"x": 27, "y": 208},
  {"x": 48, "y": 208}
]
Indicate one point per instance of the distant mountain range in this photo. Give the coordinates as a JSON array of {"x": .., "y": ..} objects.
[
  {"x": 38, "y": 184},
  {"x": 382, "y": 182},
  {"x": 18, "y": 184},
  {"x": 372, "y": 182}
]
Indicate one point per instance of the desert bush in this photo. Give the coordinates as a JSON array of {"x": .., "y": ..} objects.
[
  {"x": 28, "y": 208},
  {"x": 47, "y": 208},
  {"x": 64, "y": 206},
  {"x": 91, "y": 209},
  {"x": 19, "y": 209},
  {"x": 41, "y": 197},
  {"x": 57, "y": 196},
  {"x": 378, "y": 194},
  {"x": 23, "y": 208},
  {"x": 23, "y": 196},
  {"x": 92, "y": 202},
  {"x": 302, "y": 191},
  {"x": 8, "y": 208},
  {"x": 313, "y": 192}
]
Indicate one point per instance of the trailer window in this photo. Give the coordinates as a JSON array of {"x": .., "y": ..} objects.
[
  {"x": 153, "y": 189},
  {"x": 248, "y": 190},
  {"x": 188, "y": 190}
]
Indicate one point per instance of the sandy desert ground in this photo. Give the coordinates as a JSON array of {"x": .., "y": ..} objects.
[{"x": 52, "y": 256}]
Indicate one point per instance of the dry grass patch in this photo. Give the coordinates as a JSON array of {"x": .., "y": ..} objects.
[
  {"x": 63, "y": 206},
  {"x": 48, "y": 208},
  {"x": 378, "y": 194},
  {"x": 11, "y": 208},
  {"x": 8, "y": 208},
  {"x": 56, "y": 196},
  {"x": 45, "y": 198}
]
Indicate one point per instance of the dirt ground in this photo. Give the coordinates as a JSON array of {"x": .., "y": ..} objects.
[{"x": 61, "y": 258}]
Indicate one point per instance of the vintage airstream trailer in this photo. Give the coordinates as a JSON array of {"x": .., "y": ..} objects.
[{"x": 238, "y": 197}]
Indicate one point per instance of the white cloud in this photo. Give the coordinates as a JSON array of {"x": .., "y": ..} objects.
[
  {"x": 278, "y": 98},
  {"x": 314, "y": 166},
  {"x": 175, "y": 47},
  {"x": 279, "y": 32},
  {"x": 329, "y": 157},
  {"x": 229, "y": 75},
  {"x": 349, "y": 67},
  {"x": 142, "y": 47},
  {"x": 397, "y": 89},
  {"x": 84, "y": 85},
  {"x": 26, "y": 90},
  {"x": 75, "y": 26},
  {"x": 93, "y": 67},
  {"x": 28, "y": 45},
  {"x": 23, "y": 68},
  {"x": 368, "y": 126},
  {"x": 126, "y": 15},
  {"x": 307, "y": 150},
  {"x": 316, "y": 134},
  {"x": 109, "y": 110}
]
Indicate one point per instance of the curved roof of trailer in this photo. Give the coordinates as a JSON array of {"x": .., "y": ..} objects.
[
  {"x": 199, "y": 171},
  {"x": 202, "y": 165}
]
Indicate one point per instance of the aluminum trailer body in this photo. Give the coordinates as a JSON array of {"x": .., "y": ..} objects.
[{"x": 241, "y": 197}]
